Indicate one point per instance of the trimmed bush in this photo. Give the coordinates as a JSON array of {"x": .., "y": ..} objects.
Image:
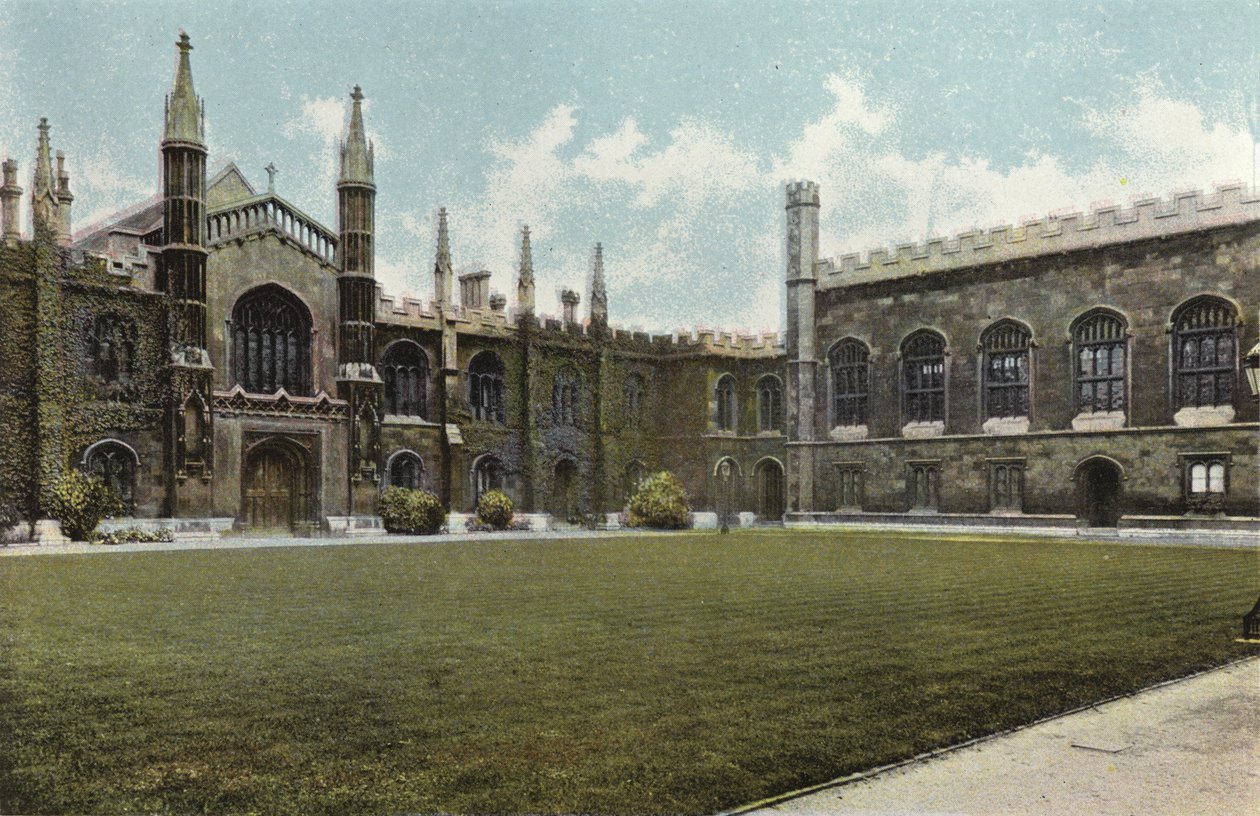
[
  {"x": 134, "y": 535},
  {"x": 8, "y": 516},
  {"x": 494, "y": 509},
  {"x": 659, "y": 501},
  {"x": 80, "y": 501},
  {"x": 414, "y": 512}
]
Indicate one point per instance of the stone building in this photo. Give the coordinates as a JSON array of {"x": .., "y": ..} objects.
[{"x": 224, "y": 360}]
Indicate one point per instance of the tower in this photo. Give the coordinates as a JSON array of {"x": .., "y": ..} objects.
[
  {"x": 10, "y": 197},
  {"x": 599, "y": 295},
  {"x": 525, "y": 276},
  {"x": 182, "y": 277},
  {"x": 802, "y": 256}
]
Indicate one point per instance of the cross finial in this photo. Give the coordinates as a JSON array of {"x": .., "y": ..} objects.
[
  {"x": 184, "y": 44},
  {"x": 271, "y": 176},
  {"x": 357, "y": 95}
]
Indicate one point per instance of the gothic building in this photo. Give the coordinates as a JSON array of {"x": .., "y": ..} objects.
[{"x": 226, "y": 361}]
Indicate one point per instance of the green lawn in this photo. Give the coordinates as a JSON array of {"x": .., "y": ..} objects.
[{"x": 640, "y": 674}]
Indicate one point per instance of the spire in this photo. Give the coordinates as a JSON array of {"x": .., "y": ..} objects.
[
  {"x": 356, "y": 151},
  {"x": 443, "y": 274},
  {"x": 43, "y": 184},
  {"x": 45, "y": 205},
  {"x": 525, "y": 279},
  {"x": 184, "y": 121},
  {"x": 599, "y": 295}
]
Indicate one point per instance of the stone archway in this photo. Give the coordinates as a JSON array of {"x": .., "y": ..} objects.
[
  {"x": 770, "y": 490},
  {"x": 563, "y": 503},
  {"x": 276, "y": 488},
  {"x": 1099, "y": 491}
]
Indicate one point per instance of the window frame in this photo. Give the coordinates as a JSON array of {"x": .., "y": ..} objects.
[
  {"x": 725, "y": 412},
  {"x": 769, "y": 416},
  {"x": 995, "y": 344},
  {"x": 1007, "y": 494},
  {"x": 1077, "y": 345},
  {"x": 1224, "y": 375},
  {"x": 850, "y": 483},
  {"x": 931, "y": 483},
  {"x": 857, "y": 402},
  {"x": 389, "y": 369},
  {"x": 1206, "y": 500},
  {"x": 299, "y": 377},
  {"x": 487, "y": 389},
  {"x": 912, "y": 395}
]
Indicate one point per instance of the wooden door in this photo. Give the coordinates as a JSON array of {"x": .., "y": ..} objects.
[{"x": 269, "y": 491}]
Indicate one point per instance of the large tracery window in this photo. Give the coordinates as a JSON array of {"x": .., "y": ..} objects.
[
  {"x": 111, "y": 348},
  {"x": 564, "y": 396},
  {"x": 1005, "y": 369},
  {"x": 1101, "y": 347},
  {"x": 485, "y": 387},
  {"x": 849, "y": 362},
  {"x": 923, "y": 367},
  {"x": 114, "y": 464},
  {"x": 1205, "y": 358},
  {"x": 769, "y": 403},
  {"x": 724, "y": 394},
  {"x": 405, "y": 370},
  {"x": 271, "y": 342}
]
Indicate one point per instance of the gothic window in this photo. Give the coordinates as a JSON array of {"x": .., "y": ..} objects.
[
  {"x": 849, "y": 362},
  {"x": 1101, "y": 354},
  {"x": 769, "y": 404},
  {"x": 923, "y": 485},
  {"x": 1005, "y": 369},
  {"x": 1204, "y": 354},
  {"x": 111, "y": 348},
  {"x": 485, "y": 387},
  {"x": 923, "y": 368},
  {"x": 114, "y": 464},
  {"x": 487, "y": 476},
  {"x": 1205, "y": 481},
  {"x": 405, "y": 370},
  {"x": 406, "y": 469},
  {"x": 724, "y": 394},
  {"x": 634, "y": 475},
  {"x": 271, "y": 342},
  {"x": 635, "y": 391},
  {"x": 851, "y": 477},
  {"x": 1006, "y": 485},
  {"x": 564, "y": 396}
]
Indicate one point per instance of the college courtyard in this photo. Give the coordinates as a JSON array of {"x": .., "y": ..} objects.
[{"x": 689, "y": 672}]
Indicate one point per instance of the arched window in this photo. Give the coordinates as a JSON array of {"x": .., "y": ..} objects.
[
  {"x": 1101, "y": 355},
  {"x": 724, "y": 394},
  {"x": 769, "y": 403},
  {"x": 1204, "y": 353},
  {"x": 406, "y": 469},
  {"x": 271, "y": 342},
  {"x": 564, "y": 396},
  {"x": 487, "y": 475},
  {"x": 405, "y": 370},
  {"x": 1005, "y": 369},
  {"x": 114, "y": 464},
  {"x": 849, "y": 362},
  {"x": 923, "y": 367},
  {"x": 111, "y": 348},
  {"x": 634, "y": 474},
  {"x": 634, "y": 392},
  {"x": 485, "y": 387}
]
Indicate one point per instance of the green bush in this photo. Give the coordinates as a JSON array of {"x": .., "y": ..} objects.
[
  {"x": 80, "y": 501},
  {"x": 415, "y": 512},
  {"x": 494, "y": 509},
  {"x": 134, "y": 535},
  {"x": 8, "y": 516},
  {"x": 659, "y": 501}
]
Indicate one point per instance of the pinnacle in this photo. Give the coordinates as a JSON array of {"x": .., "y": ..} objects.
[
  {"x": 184, "y": 121},
  {"x": 356, "y": 154}
]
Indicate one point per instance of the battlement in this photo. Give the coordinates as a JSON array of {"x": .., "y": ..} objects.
[
  {"x": 802, "y": 194},
  {"x": 1055, "y": 234}
]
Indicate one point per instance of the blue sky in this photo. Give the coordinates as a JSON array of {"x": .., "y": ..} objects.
[{"x": 663, "y": 129}]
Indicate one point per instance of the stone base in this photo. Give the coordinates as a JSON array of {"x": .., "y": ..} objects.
[
  {"x": 1005, "y": 426},
  {"x": 703, "y": 521},
  {"x": 848, "y": 433},
  {"x": 923, "y": 430},
  {"x": 1209, "y": 417},
  {"x": 183, "y": 528},
  {"x": 1098, "y": 421},
  {"x": 538, "y": 522},
  {"x": 612, "y": 521},
  {"x": 747, "y": 519},
  {"x": 354, "y": 526},
  {"x": 48, "y": 531},
  {"x": 457, "y": 523}
]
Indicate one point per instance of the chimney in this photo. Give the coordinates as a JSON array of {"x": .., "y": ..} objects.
[
  {"x": 570, "y": 299},
  {"x": 10, "y": 195},
  {"x": 474, "y": 289}
]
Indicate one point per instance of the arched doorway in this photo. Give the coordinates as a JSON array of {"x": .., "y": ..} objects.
[
  {"x": 563, "y": 504},
  {"x": 1098, "y": 492},
  {"x": 276, "y": 488},
  {"x": 770, "y": 490},
  {"x": 726, "y": 491}
]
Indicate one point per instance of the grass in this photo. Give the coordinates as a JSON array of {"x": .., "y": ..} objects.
[{"x": 670, "y": 674}]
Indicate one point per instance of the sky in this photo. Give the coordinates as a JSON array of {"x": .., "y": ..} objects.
[{"x": 664, "y": 130}]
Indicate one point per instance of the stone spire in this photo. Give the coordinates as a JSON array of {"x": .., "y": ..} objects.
[
  {"x": 443, "y": 273},
  {"x": 599, "y": 295},
  {"x": 185, "y": 120},
  {"x": 44, "y": 201},
  {"x": 525, "y": 278},
  {"x": 356, "y": 151}
]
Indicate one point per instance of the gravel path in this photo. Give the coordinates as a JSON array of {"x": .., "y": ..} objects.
[{"x": 1188, "y": 747}]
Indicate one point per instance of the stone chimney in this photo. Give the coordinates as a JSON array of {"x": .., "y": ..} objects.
[
  {"x": 474, "y": 289},
  {"x": 570, "y": 299},
  {"x": 10, "y": 196}
]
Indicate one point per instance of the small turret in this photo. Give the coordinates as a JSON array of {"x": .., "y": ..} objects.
[
  {"x": 10, "y": 198},
  {"x": 443, "y": 274},
  {"x": 599, "y": 295},
  {"x": 356, "y": 152},
  {"x": 45, "y": 217},
  {"x": 356, "y": 200},
  {"x": 525, "y": 277}
]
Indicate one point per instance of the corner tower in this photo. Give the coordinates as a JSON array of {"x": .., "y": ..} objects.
[{"x": 802, "y": 258}]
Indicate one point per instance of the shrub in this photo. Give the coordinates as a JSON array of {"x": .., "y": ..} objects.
[
  {"x": 8, "y": 516},
  {"x": 494, "y": 509},
  {"x": 415, "y": 512},
  {"x": 659, "y": 501},
  {"x": 134, "y": 535},
  {"x": 80, "y": 501}
]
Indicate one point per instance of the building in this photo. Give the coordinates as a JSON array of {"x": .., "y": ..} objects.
[{"x": 226, "y": 361}]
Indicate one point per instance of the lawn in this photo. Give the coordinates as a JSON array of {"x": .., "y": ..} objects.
[{"x": 670, "y": 674}]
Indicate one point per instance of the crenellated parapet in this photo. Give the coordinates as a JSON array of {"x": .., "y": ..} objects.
[
  {"x": 802, "y": 193},
  {"x": 1145, "y": 219}
]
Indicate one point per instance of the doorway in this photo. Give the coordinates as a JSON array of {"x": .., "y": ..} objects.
[
  {"x": 770, "y": 492},
  {"x": 277, "y": 494},
  {"x": 1099, "y": 492}
]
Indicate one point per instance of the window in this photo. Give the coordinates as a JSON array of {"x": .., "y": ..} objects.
[
  {"x": 114, "y": 464},
  {"x": 564, "y": 396},
  {"x": 271, "y": 342},
  {"x": 111, "y": 348},
  {"x": 1205, "y": 481},
  {"x": 724, "y": 417},
  {"x": 1006, "y": 485},
  {"x": 923, "y": 485},
  {"x": 634, "y": 392},
  {"x": 769, "y": 404},
  {"x": 850, "y": 372},
  {"x": 406, "y": 469},
  {"x": 1204, "y": 357},
  {"x": 923, "y": 364},
  {"x": 851, "y": 477},
  {"x": 485, "y": 387},
  {"x": 405, "y": 370},
  {"x": 1101, "y": 354},
  {"x": 1005, "y": 370},
  {"x": 634, "y": 475},
  {"x": 487, "y": 476}
]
